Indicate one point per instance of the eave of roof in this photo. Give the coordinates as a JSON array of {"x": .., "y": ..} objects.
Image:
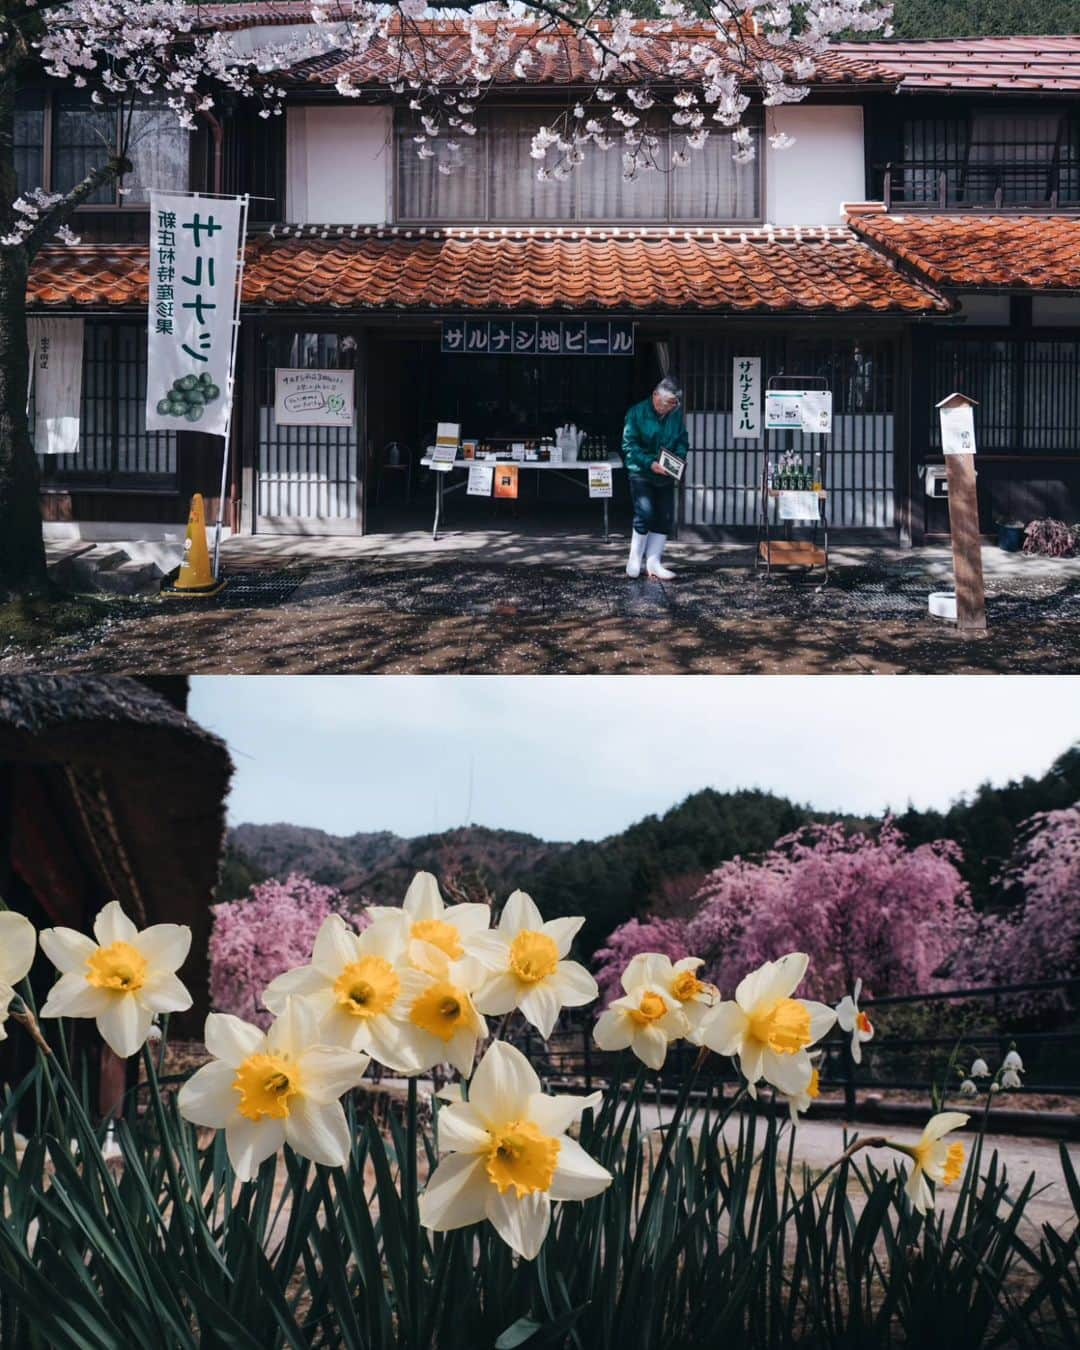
[
  {"x": 596, "y": 270},
  {"x": 997, "y": 65}
]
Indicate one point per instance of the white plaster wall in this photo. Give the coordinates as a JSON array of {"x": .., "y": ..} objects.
[
  {"x": 806, "y": 184},
  {"x": 338, "y": 165}
]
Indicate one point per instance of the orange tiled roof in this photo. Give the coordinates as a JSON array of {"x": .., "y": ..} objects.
[
  {"x": 1004, "y": 252},
  {"x": 989, "y": 63},
  {"x": 439, "y": 49},
  {"x": 754, "y": 271}
]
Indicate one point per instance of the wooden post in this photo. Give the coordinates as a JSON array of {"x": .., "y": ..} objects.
[{"x": 958, "y": 442}]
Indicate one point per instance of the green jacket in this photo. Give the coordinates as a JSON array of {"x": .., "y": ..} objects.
[{"x": 645, "y": 435}]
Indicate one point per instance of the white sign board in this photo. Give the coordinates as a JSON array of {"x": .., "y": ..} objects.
[
  {"x": 313, "y": 398},
  {"x": 600, "y": 480},
  {"x": 746, "y": 398},
  {"x": 807, "y": 410},
  {"x": 958, "y": 429},
  {"x": 194, "y": 256},
  {"x": 481, "y": 480},
  {"x": 443, "y": 458},
  {"x": 798, "y": 506}
]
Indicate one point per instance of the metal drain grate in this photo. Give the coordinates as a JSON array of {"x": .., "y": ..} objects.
[{"x": 258, "y": 590}]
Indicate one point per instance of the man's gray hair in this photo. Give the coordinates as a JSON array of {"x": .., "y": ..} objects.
[{"x": 669, "y": 386}]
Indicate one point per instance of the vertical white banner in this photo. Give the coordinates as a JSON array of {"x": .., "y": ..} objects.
[
  {"x": 194, "y": 261},
  {"x": 56, "y": 371},
  {"x": 746, "y": 398}
]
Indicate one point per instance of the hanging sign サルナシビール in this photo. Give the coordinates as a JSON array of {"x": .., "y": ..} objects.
[
  {"x": 746, "y": 398},
  {"x": 537, "y": 337}
]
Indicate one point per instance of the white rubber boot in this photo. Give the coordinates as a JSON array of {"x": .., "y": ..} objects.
[
  {"x": 654, "y": 552},
  {"x": 637, "y": 553}
]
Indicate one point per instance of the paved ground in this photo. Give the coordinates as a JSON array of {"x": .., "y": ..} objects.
[{"x": 547, "y": 603}]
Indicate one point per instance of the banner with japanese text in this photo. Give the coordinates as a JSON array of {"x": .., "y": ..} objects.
[{"x": 194, "y": 256}]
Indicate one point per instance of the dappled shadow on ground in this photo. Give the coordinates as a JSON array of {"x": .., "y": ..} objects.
[{"x": 464, "y": 616}]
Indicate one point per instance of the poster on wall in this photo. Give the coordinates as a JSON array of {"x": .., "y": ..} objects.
[
  {"x": 506, "y": 480},
  {"x": 957, "y": 414},
  {"x": 481, "y": 480},
  {"x": 314, "y": 398},
  {"x": 195, "y": 247},
  {"x": 808, "y": 410},
  {"x": 600, "y": 480},
  {"x": 746, "y": 398}
]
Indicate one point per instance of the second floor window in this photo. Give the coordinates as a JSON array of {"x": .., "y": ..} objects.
[
  {"x": 61, "y": 136},
  {"x": 495, "y": 180},
  {"x": 1015, "y": 156}
]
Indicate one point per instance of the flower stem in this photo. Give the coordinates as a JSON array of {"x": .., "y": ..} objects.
[{"x": 412, "y": 1210}]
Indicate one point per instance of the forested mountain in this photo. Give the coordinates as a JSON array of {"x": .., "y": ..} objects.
[
  {"x": 655, "y": 863},
  {"x": 984, "y": 18}
]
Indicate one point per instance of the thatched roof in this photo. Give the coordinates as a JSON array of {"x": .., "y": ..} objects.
[{"x": 113, "y": 775}]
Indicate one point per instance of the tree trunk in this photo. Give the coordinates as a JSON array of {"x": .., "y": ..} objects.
[{"x": 22, "y": 549}]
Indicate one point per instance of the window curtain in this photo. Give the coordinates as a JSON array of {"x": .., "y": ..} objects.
[{"x": 159, "y": 149}]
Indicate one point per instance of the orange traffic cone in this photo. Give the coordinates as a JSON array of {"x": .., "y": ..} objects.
[{"x": 195, "y": 577}]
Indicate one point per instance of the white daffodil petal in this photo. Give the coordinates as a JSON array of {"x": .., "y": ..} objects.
[
  {"x": 688, "y": 963},
  {"x": 165, "y": 945},
  {"x": 124, "y": 1025},
  {"x": 790, "y": 1073},
  {"x": 456, "y": 1194},
  {"x": 163, "y": 992},
  {"x": 334, "y": 946},
  {"x": 553, "y": 1115},
  {"x": 67, "y": 949},
  {"x": 328, "y": 1072},
  {"x": 503, "y": 1083},
  {"x": 613, "y": 1030},
  {"x": 71, "y": 996},
  {"x": 392, "y": 1045},
  {"x": 562, "y": 932},
  {"x": 577, "y": 1176},
  {"x": 724, "y": 1029},
  {"x": 298, "y": 983},
  {"x": 388, "y": 937},
  {"x": 18, "y": 942},
  {"x": 772, "y": 981},
  {"x": 520, "y": 914},
  {"x": 462, "y": 1129},
  {"x": 251, "y": 1142},
  {"x": 650, "y": 1045},
  {"x": 822, "y": 1019},
  {"x": 498, "y": 996},
  {"x": 751, "y": 1058},
  {"x": 113, "y": 925},
  {"x": 423, "y": 899},
  {"x": 319, "y": 1131},
  {"x": 491, "y": 948},
  {"x": 574, "y": 985},
  {"x": 522, "y": 1224},
  {"x": 943, "y": 1122},
  {"x": 539, "y": 1004},
  {"x": 647, "y": 968},
  {"x": 460, "y": 1051},
  {"x": 919, "y": 1192},
  {"x": 469, "y": 918},
  {"x": 845, "y": 1013},
  {"x": 231, "y": 1039},
  {"x": 294, "y": 1029},
  {"x": 208, "y": 1097}
]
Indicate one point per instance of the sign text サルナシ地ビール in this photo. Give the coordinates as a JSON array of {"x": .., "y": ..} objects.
[
  {"x": 537, "y": 337},
  {"x": 746, "y": 400},
  {"x": 194, "y": 255}
]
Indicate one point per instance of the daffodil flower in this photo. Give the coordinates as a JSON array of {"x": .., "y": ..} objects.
[
  {"x": 446, "y": 1028},
  {"x": 679, "y": 978},
  {"x": 509, "y": 1155},
  {"x": 361, "y": 986},
  {"x": 525, "y": 956},
  {"x": 17, "y": 945},
  {"x": 934, "y": 1157},
  {"x": 123, "y": 980},
  {"x": 269, "y": 1089},
  {"x": 646, "y": 1019},
  {"x": 852, "y": 1020},
  {"x": 432, "y": 923},
  {"x": 769, "y": 1030}
]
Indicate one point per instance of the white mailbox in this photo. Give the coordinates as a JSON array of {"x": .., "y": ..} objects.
[{"x": 937, "y": 480}]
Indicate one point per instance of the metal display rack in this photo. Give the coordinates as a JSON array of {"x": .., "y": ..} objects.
[{"x": 777, "y": 545}]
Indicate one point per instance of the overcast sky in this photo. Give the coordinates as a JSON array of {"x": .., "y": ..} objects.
[{"x": 580, "y": 758}]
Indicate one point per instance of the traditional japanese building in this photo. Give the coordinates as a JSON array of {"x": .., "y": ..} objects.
[{"x": 923, "y": 235}]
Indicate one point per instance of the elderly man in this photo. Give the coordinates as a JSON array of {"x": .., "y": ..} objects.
[{"x": 654, "y": 425}]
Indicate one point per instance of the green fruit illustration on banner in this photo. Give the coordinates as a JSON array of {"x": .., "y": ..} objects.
[
  {"x": 188, "y": 396},
  {"x": 335, "y": 403}
]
